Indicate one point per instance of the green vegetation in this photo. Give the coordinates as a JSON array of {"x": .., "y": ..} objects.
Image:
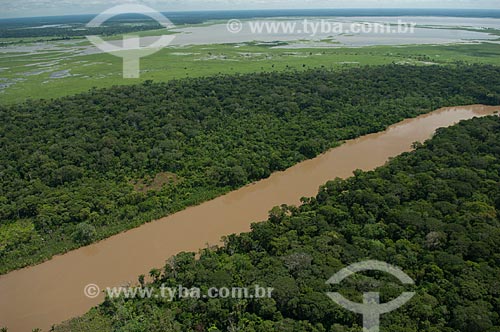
[
  {"x": 433, "y": 212},
  {"x": 18, "y": 33},
  {"x": 30, "y": 75},
  {"x": 79, "y": 169}
]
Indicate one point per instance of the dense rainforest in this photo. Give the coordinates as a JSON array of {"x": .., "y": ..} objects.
[
  {"x": 432, "y": 212},
  {"x": 71, "y": 27},
  {"x": 73, "y": 31},
  {"x": 78, "y": 169}
]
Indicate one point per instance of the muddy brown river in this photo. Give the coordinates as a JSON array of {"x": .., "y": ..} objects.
[{"x": 49, "y": 293}]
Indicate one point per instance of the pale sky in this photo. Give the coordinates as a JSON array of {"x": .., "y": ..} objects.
[{"x": 27, "y": 8}]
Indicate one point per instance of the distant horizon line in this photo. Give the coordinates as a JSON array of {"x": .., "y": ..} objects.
[{"x": 265, "y": 9}]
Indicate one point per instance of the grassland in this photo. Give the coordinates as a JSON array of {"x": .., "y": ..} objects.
[{"x": 64, "y": 70}]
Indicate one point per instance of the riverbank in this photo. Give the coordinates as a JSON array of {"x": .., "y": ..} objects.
[{"x": 54, "y": 291}]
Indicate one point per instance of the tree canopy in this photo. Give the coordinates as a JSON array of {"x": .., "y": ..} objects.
[
  {"x": 433, "y": 212},
  {"x": 81, "y": 168}
]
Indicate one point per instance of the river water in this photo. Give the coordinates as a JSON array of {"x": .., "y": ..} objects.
[{"x": 53, "y": 291}]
